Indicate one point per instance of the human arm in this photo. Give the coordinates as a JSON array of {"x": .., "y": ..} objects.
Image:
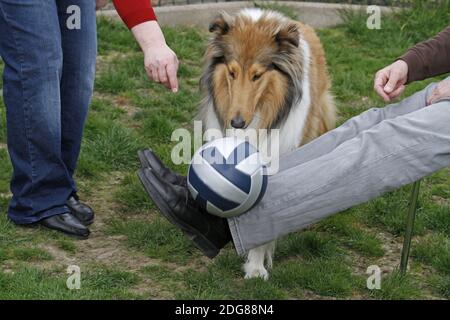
[
  {"x": 426, "y": 59},
  {"x": 161, "y": 63},
  {"x": 429, "y": 58}
]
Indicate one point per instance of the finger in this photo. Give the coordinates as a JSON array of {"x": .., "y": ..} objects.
[
  {"x": 155, "y": 75},
  {"x": 172, "y": 76},
  {"x": 162, "y": 74},
  {"x": 435, "y": 94},
  {"x": 380, "y": 80},
  {"x": 148, "y": 70},
  {"x": 397, "y": 92},
  {"x": 432, "y": 99},
  {"x": 382, "y": 94},
  {"x": 391, "y": 85},
  {"x": 429, "y": 98}
]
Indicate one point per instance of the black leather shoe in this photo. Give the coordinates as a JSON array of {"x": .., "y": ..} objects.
[
  {"x": 81, "y": 211},
  {"x": 149, "y": 159},
  {"x": 209, "y": 233},
  {"x": 66, "y": 223}
]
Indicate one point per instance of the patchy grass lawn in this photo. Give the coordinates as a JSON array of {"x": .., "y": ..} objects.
[{"x": 134, "y": 253}]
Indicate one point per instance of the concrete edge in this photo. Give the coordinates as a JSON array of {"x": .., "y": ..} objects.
[{"x": 318, "y": 15}]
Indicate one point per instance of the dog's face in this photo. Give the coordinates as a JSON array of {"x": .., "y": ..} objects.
[
  {"x": 246, "y": 94},
  {"x": 249, "y": 70}
]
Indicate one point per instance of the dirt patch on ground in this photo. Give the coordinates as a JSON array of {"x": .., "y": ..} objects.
[
  {"x": 441, "y": 201},
  {"x": 122, "y": 103},
  {"x": 103, "y": 249},
  {"x": 389, "y": 262},
  {"x": 392, "y": 247}
]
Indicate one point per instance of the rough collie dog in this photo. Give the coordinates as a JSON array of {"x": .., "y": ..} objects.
[{"x": 265, "y": 71}]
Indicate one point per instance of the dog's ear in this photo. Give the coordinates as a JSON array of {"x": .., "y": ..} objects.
[
  {"x": 288, "y": 35},
  {"x": 221, "y": 24}
]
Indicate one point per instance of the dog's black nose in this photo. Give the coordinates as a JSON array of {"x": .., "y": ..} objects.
[{"x": 238, "y": 122}]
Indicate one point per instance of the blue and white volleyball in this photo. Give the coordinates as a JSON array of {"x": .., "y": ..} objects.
[{"x": 227, "y": 177}]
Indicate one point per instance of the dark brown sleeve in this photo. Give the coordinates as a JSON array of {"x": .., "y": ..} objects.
[{"x": 429, "y": 58}]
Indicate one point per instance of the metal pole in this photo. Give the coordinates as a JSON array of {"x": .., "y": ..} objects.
[{"x": 409, "y": 227}]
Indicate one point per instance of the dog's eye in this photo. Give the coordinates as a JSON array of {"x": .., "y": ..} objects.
[
  {"x": 232, "y": 75},
  {"x": 256, "y": 77}
]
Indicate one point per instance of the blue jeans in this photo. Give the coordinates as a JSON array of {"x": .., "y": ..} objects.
[{"x": 48, "y": 83}]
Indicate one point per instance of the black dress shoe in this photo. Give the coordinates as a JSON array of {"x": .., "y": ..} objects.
[
  {"x": 66, "y": 223},
  {"x": 209, "y": 233},
  {"x": 81, "y": 211},
  {"x": 149, "y": 159}
]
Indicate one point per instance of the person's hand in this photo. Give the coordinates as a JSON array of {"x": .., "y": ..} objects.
[
  {"x": 390, "y": 81},
  {"x": 99, "y": 4},
  {"x": 161, "y": 63},
  {"x": 440, "y": 92}
]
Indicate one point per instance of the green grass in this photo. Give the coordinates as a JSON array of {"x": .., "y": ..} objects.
[
  {"x": 222, "y": 280},
  {"x": 135, "y": 254},
  {"x": 286, "y": 10},
  {"x": 2, "y": 119},
  {"x": 308, "y": 245},
  {"x": 32, "y": 283},
  {"x": 29, "y": 254},
  {"x": 352, "y": 235},
  {"x": 5, "y": 171},
  {"x": 442, "y": 285},
  {"x": 326, "y": 277},
  {"x": 435, "y": 251},
  {"x": 390, "y": 211},
  {"x": 132, "y": 196},
  {"x": 396, "y": 286},
  {"x": 113, "y": 149},
  {"x": 67, "y": 245},
  {"x": 157, "y": 238}
]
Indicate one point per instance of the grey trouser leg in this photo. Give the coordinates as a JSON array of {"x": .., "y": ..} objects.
[{"x": 375, "y": 152}]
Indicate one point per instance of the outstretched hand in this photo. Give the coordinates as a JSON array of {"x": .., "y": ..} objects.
[
  {"x": 161, "y": 65},
  {"x": 160, "y": 62},
  {"x": 390, "y": 81}
]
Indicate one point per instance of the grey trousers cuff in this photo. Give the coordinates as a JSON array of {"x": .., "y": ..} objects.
[{"x": 238, "y": 244}]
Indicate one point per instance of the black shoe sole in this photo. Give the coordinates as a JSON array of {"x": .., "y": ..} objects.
[
  {"x": 87, "y": 223},
  {"x": 72, "y": 235},
  {"x": 195, "y": 236}
]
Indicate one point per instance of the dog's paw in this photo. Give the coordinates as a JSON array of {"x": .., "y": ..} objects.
[
  {"x": 256, "y": 272},
  {"x": 269, "y": 263}
]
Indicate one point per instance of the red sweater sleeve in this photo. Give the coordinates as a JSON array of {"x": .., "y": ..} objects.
[{"x": 134, "y": 12}]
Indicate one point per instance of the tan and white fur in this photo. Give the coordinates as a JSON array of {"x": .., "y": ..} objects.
[{"x": 266, "y": 71}]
